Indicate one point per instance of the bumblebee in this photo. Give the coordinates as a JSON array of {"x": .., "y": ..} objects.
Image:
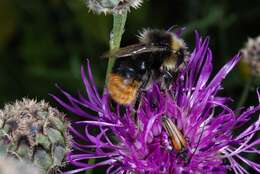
[{"x": 158, "y": 56}]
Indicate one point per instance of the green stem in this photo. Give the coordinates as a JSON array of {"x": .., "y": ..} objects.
[
  {"x": 119, "y": 21},
  {"x": 245, "y": 92}
]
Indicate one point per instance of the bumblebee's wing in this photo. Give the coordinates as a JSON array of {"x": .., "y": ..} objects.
[{"x": 133, "y": 50}]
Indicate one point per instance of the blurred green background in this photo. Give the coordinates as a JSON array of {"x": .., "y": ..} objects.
[{"x": 43, "y": 42}]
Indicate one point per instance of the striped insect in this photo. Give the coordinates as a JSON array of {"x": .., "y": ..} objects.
[
  {"x": 176, "y": 137},
  {"x": 178, "y": 140}
]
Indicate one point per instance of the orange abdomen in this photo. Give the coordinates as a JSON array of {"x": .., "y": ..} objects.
[{"x": 123, "y": 91}]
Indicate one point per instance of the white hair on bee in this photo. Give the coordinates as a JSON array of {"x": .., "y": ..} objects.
[{"x": 143, "y": 35}]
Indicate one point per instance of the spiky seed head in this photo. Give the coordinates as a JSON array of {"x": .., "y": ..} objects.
[
  {"x": 34, "y": 131},
  {"x": 251, "y": 55},
  {"x": 112, "y": 6}
]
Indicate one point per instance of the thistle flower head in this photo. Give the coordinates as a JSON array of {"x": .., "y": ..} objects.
[
  {"x": 140, "y": 142},
  {"x": 36, "y": 132},
  {"x": 112, "y": 6},
  {"x": 251, "y": 55}
]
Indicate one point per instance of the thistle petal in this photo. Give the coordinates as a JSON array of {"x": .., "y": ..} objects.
[{"x": 127, "y": 144}]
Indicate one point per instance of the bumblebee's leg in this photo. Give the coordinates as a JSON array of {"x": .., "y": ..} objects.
[
  {"x": 146, "y": 82},
  {"x": 183, "y": 154},
  {"x": 167, "y": 79},
  {"x": 115, "y": 107}
]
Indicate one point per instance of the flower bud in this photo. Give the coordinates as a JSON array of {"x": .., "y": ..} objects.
[
  {"x": 34, "y": 131},
  {"x": 112, "y": 6},
  {"x": 251, "y": 55}
]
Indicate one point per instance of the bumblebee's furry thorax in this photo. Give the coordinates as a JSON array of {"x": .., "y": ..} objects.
[
  {"x": 162, "y": 38},
  {"x": 158, "y": 56}
]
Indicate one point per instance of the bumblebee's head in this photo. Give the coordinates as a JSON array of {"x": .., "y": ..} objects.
[
  {"x": 162, "y": 38},
  {"x": 156, "y": 37}
]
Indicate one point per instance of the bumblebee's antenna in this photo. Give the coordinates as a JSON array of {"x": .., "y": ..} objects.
[
  {"x": 172, "y": 27},
  {"x": 177, "y": 30},
  {"x": 196, "y": 148}
]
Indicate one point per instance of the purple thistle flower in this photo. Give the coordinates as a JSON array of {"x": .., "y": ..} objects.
[{"x": 128, "y": 145}]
